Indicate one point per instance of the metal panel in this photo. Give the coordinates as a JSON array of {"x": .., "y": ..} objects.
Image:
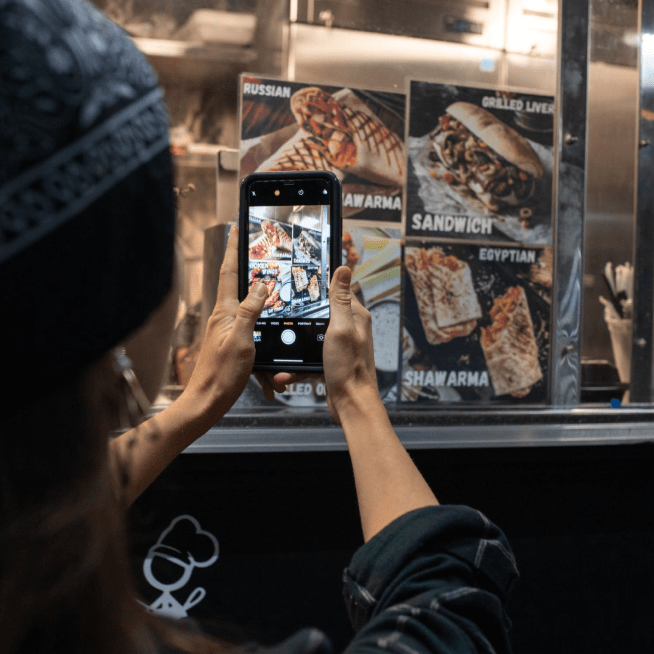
[
  {"x": 475, "y": 22},
  {"x": 549, "y": 432},
  {"x": 532, "y": 27},
  {"x": 570, "y": 197},
  {"x": 384, "y": 61},
  {"x": 641, "y": 359},
  {"x": 611, "y": 185}
]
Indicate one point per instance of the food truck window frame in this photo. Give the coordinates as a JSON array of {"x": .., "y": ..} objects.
[
  {"x": 563, "y": 420},
  {"x": 642, "y": 337},
  {"x": 571, "y": 127}
]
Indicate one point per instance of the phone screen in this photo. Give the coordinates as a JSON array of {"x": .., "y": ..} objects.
[{"x": 289, "y": 238}]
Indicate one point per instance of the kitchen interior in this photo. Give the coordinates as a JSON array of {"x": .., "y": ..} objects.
[{"x": 199, "y": 48}]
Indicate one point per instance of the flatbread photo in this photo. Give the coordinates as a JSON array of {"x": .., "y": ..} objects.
[
  {"x": 277, "y": 235},
  {"x": 299, "y": 153},
  {"x": 478, "y": 326},
  {"x": 300, "y": 278},
  {"x": 305, "y": 285},
  {"x": 270, "y": 239},
  {"x": 509, "y": 345},
  {"x": 445, "y": 294},
  {"x": 314, "y": 288},
  {"x": 260, "y": 247},
  {"x": 349, "y": 134}
]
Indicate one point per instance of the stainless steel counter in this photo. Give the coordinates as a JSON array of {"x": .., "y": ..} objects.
[{"x": 284, "y": 431}]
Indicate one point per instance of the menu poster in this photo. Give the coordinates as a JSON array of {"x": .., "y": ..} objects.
[
  {"x": 476, "y": 322},
  {"x": 479, "y": 164},
  {"x": 354, "y": 133},
  {"x": 374, "y": 256}
]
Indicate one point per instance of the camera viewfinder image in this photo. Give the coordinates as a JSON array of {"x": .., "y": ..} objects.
[{"x": 289, "y": 253}]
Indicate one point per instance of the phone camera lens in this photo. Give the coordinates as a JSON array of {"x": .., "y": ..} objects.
[{"x": 300, "y": 192}]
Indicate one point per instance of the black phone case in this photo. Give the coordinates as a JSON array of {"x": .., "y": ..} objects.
[{"x": 336, "y": 236}]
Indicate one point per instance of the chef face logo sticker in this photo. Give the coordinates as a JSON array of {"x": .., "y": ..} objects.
[{"x": 170, "y": 562}]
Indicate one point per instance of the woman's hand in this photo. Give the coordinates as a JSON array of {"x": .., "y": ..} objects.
[
  {"x": 277, "y": 382},
  {"x": 348, "y": 355},
  {"x": 227, "y": 355},
  {"x": 220, "y": 375},
  {"x": 387, "y": 481}
]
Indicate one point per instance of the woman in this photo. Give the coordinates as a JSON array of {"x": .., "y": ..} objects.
[{"x": 86, "y": 269}]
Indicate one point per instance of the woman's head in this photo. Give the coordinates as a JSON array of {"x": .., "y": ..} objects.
[
  {"x": 86, "y": 191},
  {"x": 86, "y": 263}
]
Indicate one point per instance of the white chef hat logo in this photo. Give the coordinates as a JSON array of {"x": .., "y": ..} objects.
[{"x": 168, "y": 566}]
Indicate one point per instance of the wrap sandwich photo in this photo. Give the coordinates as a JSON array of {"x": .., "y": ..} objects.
[
  {"x": 356, "y": 134},
  {"x": 480, "y": 166}
]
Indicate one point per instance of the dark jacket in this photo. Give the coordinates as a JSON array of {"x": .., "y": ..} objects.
[{"x": 433, "y": 581}]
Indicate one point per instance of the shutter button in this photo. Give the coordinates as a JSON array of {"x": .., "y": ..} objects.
[{"x": 288, "y": 336}]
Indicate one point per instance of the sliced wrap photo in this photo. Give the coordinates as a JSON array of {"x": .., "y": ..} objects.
[
  {"x": 510, "y": 346},
  {"x": 350, "y": 135},
  {"x": 299, "y": 153},
  {"x": 442, "y": 294}
]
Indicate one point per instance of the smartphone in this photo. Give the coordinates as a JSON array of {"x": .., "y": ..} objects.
[{"x": 290, "y": 239}]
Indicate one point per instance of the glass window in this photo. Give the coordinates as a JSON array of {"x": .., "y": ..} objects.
[{"x": 365, "y": 54}]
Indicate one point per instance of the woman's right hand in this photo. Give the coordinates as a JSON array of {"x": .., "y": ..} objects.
[{"x": 348, "y": 356}]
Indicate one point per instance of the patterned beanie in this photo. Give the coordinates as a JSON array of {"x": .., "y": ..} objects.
[{"x": 86, "y": 191}]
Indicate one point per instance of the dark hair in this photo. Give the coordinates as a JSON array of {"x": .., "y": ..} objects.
[{"x": 65, "y": 584}]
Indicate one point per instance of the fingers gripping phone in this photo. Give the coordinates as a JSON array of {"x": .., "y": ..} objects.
[{"x": 290, "y": 239}]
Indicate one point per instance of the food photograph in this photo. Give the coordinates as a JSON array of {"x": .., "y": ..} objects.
[
  {"x": 479, "y": 164},
  {"x": 476, "y": 322},
  {"x": 275, "y": 275},
  {"x": 306, "y": 245},
  {"x": 356, "y": 134},
  {"x": 297, "y": 284}
]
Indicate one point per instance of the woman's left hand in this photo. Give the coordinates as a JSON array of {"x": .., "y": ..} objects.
[
  {"x": 223, "y": 368},
  {"x": 227, "y": 355},
  {"x": 272, "y": 383}
]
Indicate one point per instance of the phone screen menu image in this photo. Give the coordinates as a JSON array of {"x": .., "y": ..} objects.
[{"x": 289, "y": 252}]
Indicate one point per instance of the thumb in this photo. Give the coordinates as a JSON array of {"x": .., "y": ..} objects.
[
  {"x": 250, "y": 309},
  {"x": 340, "y": 296}
]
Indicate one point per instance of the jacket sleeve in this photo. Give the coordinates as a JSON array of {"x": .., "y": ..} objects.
[{"x": 434, "y": 580}]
